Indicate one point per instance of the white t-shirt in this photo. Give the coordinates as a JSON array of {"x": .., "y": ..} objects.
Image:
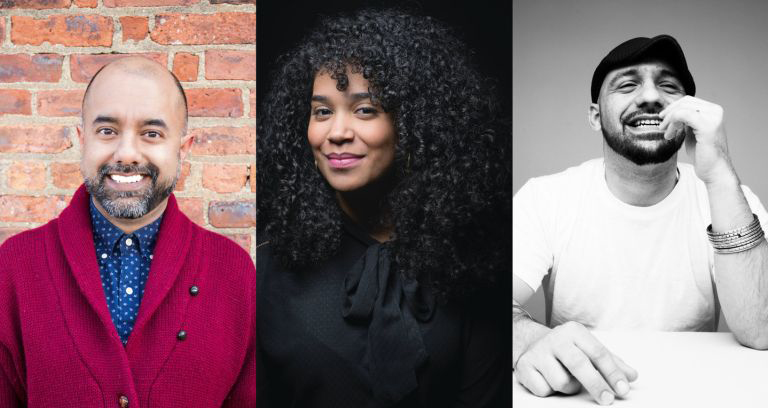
[{"x": 618, "y": 266}]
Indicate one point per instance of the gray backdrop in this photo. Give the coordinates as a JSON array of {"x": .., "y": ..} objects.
[{"x": 558, "y": 44}]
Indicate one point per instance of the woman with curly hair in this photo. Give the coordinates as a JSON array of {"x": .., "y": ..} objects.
[{"x": 384, "y": 237}]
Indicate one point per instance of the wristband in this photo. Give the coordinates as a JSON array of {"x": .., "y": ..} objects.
[{"x": 737, "y": 240}]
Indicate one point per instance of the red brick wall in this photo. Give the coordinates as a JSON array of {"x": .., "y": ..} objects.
[{"x": 50, "y": 48}]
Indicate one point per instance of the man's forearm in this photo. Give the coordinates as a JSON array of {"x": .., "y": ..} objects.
[
  {"x": 742, "y": 283},
  {"x": 525, "y": 331}
]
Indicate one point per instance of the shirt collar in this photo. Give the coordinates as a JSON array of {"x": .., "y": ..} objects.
[{"x": 107, "y": 234}]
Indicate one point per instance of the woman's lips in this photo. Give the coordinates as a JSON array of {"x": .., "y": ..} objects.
[{"x": 343, "y": 160}]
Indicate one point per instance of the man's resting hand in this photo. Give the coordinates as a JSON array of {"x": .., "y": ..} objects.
[{"x": 569, "y": 357}]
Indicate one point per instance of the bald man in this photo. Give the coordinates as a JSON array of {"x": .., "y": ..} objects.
[{"x": 122, "y": 301}]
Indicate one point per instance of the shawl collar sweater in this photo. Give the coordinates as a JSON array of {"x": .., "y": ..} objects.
[{"x": 59, "y": 347}]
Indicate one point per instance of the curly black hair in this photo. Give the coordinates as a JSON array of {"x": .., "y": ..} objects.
[{"x": 451, "y": 204}]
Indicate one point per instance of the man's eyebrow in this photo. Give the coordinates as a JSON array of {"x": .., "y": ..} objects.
[
  {"x": 669, "y": 73},
  {"x": 149, "y": 122},
  {"x": 105, "y": 119},
  {"x": 155, "y": 122},
  {"x": 664, "y": 73},
  {"x": 622, "y": 74}
]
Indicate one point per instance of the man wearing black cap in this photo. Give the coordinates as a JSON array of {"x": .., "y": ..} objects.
[{"x": 636, "y": 240}]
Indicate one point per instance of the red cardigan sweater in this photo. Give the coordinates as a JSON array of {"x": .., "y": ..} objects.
[{"x": 59, "y": 347}]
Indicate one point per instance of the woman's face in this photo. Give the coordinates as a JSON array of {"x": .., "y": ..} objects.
[{"x": 352, "y": 139}]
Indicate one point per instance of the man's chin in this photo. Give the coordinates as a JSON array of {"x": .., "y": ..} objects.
[
  {"x": 125, "y": 201},
  {"x": 115, "y": 195},
  {"x": 651, "y": 146},
  {"x": 646, "y": 156},
  {"x": 125, "y": 207},
  {"x": 645, "y": 148}
]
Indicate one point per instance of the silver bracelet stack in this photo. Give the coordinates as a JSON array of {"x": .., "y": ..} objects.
[{"x": 738, "y": 240}]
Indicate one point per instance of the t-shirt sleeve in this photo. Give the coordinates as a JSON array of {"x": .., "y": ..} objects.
[{"x": 532, "y": 254}]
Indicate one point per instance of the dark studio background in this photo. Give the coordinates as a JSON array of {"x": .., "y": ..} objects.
[{"x": 485, "y": 26}]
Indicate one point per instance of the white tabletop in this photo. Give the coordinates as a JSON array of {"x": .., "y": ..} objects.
[{"x": 681, "y": 369}]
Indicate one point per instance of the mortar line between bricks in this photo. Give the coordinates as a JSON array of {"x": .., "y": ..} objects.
[
  {"x": 245, "y": 96},
  {"x": 117, "y": 31},
  {"x": 49, "y": 174},
  {"x": 243, "y": 194},
  {"x": 206, "y": 206},
  {"x": 141, "y": 47},
  {"x": 7, "y": 34},
  {"x": 33, "y": 103},
  {"x": 150, "y": 24},
  {"x": 201, "y": 68},
  {"x": 138, "y": 11},
  {"x": 16, "y": 224},
  {"x": 66, "y": 73},
  {"x": 169, "y": 63}
]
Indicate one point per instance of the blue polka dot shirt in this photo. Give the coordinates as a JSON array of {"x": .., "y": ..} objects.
[{"x": 124, "y": 261}]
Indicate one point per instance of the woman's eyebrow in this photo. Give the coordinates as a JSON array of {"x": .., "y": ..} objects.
[
  {"x": 359, "y": 96},
  {"x": 354, "y": 97}
]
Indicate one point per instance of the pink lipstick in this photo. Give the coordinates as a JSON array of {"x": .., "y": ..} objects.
[{"x": 343, "y": 160}]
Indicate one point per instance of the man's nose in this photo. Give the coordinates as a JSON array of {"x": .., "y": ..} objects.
[
  {"x": 649, "y": 95},
  {"x": 341, "y": 132},
  {"x": 127, "y": 151}
]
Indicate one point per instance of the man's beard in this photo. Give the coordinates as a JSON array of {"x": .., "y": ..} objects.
[
  {"x": 130, "y": 204},
  {"x": 630, "y": 147}
]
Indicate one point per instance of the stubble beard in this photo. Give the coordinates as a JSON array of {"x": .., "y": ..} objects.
[{"x": 130, "y": 204}]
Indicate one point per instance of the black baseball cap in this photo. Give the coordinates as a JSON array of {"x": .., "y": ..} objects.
[{"x": 662, "y": 47}]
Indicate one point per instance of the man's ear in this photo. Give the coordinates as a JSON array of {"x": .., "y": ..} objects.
[
  {"x": 186, "y": 144},
  {"x": 594, "y": 116},
  {"x": 79, "y": 129}
]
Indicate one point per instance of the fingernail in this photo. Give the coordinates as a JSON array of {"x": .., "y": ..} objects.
[
  {"x": 622, "y": 387},
  {"x": 606, "y": 398}
]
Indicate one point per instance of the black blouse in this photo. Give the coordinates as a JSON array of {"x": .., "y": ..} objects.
[{"x": 350, "y": 333}]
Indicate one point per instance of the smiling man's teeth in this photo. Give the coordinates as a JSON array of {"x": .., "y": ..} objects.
[
  {"x": 648, "y": 122},
  {"x": 126, "y": 179}
]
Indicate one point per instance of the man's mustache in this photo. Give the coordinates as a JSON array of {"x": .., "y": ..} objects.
[
  {"x": 635, "y": 114},
  {"x": 148, "y": 169}
]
